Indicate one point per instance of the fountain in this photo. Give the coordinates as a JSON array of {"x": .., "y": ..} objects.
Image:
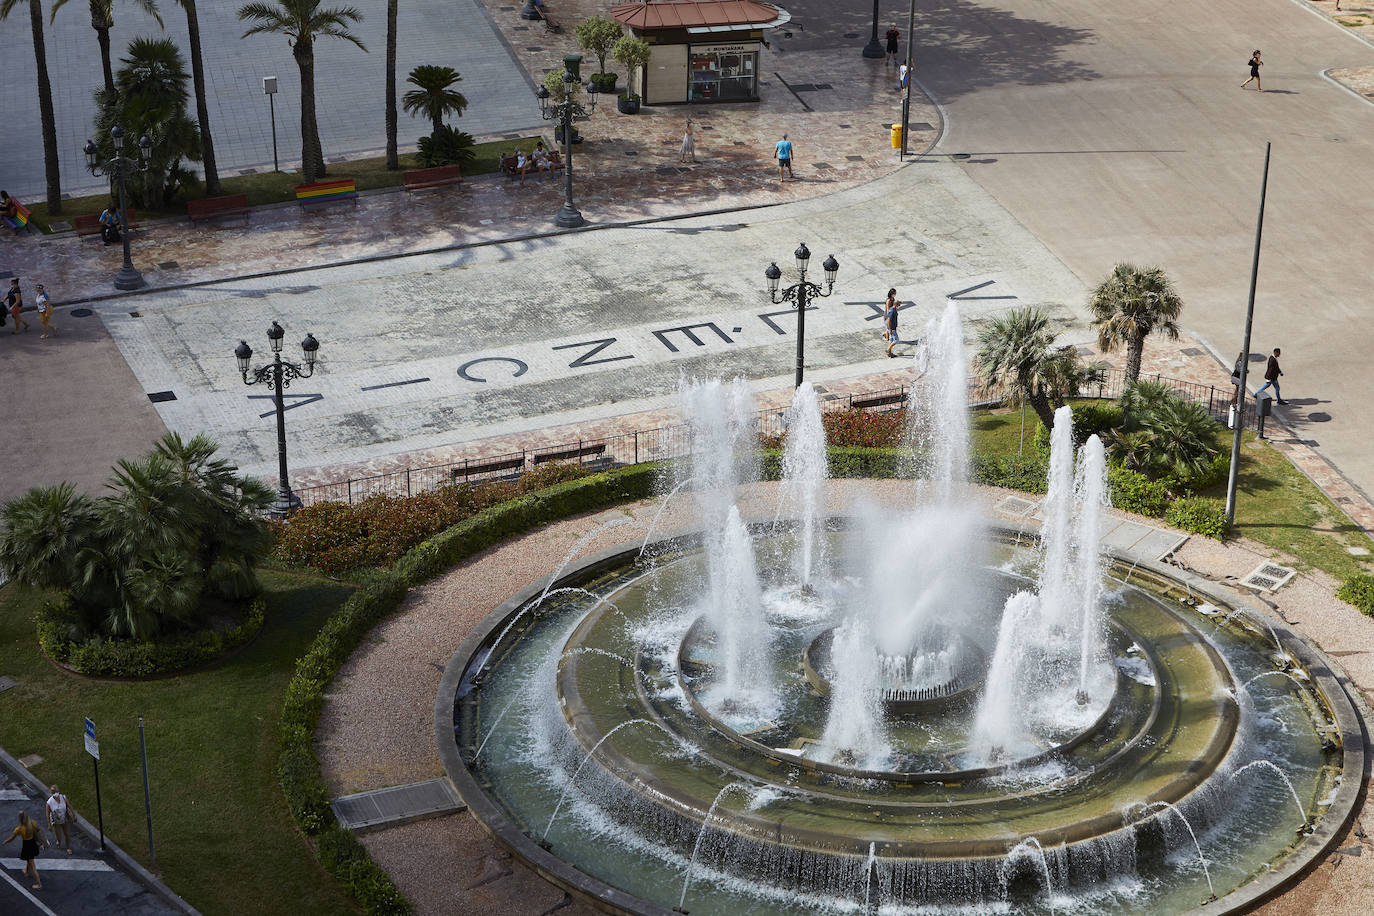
[{"x": 902, "y": 710}]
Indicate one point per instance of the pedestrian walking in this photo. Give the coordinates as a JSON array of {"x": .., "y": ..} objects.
[
  {"x": 903, "y": 77},
  {"x": 890, "y": 320},
  {"x": 893, "y": 36},
  {"x": 1271, "y": 377},
  {"x": 60, "y": 815},
  {"x": 44, "y": 306},
  {"x": 14, "y": 302},
  {"x": 782, "y": 151},
  {"x": 1255, "y": 64},
  {"x": 689, "y": 147},
  {"x": 29, "y": 836}
]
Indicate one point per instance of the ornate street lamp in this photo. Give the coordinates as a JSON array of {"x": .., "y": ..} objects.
[
  {"x": 566, "y": 110},
  {"x": 279, "y": 374},
  {"x": 800, "y": 293},
  {"x": 128, "y": 277}
]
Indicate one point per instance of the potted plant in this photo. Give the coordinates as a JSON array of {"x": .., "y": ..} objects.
[
  {"x": 598, "y": 35},
  {"x": 632, "y": 54}
]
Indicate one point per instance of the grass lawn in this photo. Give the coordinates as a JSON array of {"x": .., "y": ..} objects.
[
  {"x": 225, "y": 840},
  {"x": 278, "y": 187},
  {"x": 1276, "y": 504}
]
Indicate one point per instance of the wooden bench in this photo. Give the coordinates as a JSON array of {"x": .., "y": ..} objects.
[
  {"x": 470, "y": 469},
  {"x": 20, "y": 221},
  {"x": 579, "y": 452},
  {"x": 437, "y": 177},
  {"x": 882, "y": 400},
  {"x": 89, "y": 223},
  {"x": 211, "y": 207},
  {"x": 326, "y": 192},
  {"x": 550, "y": 25},
  {"x": 509, "y": 169}
]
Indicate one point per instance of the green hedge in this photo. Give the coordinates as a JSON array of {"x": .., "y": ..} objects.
[
  {"x": 1132, "y": 491},
  {"x": 1358, "y": 592},
  {"x": 307, "y": 796},
  {"x": 128, "y": 658},
  {"x": 1090, "y": 419},
  {"x": 1198, "y": 515}
]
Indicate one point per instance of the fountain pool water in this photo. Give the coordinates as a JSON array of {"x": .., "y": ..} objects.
[{"x": 850, "y": 715}]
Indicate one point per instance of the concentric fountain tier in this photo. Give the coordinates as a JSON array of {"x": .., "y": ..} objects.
[{"x": 916, "y": 680}]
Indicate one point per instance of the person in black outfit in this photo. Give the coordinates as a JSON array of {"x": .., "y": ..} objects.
[
  {"x": 892, "y": 35},
  {"x": 1255, "y": 64},
  {"x": 1271, "y": 377}
]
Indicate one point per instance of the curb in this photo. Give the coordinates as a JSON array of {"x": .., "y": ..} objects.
[{"x": 122, "y": 858}]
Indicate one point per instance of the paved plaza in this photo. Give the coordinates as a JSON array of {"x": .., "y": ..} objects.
[{"x": 349, "y": 84}]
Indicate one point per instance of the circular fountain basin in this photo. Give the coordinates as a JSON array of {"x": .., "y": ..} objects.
[
  {"x": 907, "y": 687},
  {"x": 601, "y": 740}
]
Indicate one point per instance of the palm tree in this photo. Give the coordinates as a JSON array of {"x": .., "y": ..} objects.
[
  {"x": 1129, "y": 305},
  {"x": 102, "y": 20},
  {"x": 433, "y": 98},
  {"x": 393, "y": 161},
  {"x": 1016, "y": 353},
  {"x": 207, "y": 146},
  {"x": 45, "y": 112},
  {"x": 302, "y": 22}
]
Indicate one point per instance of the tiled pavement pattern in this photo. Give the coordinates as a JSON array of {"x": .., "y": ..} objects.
[{"x": 349, "y": 83}]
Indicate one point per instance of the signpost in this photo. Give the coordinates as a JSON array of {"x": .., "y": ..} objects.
[
  {"x": 93, "y": 748},
  {"x": 147, "y": 797}
]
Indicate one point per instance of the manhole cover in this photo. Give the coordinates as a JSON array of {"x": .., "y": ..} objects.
[
  {"x": 855, "y": 158},
  {"x": 157, "y": 397},
  {"x": 248, "y": 171},
  {"x": 534, "y": 48},
  {"x": 135, "y": 315},
  {"x": 1269, "y": 576},
  {"x": 851, "y": 34},
  {"x": 81, "y": 313},
  {"x": 169, "y": 265},
  {"x": 1191, "y": 351}
]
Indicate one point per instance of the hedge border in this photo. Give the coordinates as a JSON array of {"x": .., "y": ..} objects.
[
  {"x": 114, "y": 658},
  {"x": 298, "y": 768}
]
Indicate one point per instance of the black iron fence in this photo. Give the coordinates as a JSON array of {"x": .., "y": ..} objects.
[{"x": 668, "y": 442}]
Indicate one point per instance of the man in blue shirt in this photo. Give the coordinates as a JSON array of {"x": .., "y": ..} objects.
[{"x": 783, "y": 153}]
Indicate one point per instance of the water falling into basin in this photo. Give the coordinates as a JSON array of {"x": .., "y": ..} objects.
[{"x": 804, "y": 474}]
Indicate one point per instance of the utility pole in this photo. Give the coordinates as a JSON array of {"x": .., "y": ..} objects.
[{"x": 910, "y": 77}]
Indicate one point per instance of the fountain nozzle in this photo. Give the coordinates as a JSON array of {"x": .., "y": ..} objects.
[{"x": 1081, "y": 698}]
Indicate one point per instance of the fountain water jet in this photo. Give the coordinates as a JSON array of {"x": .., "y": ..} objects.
[
  {"x": 1282, "y": 775},
  {"x": 804, "y": 473}
]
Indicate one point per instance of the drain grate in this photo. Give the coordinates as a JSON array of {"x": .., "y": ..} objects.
[
  {"x": 158, "y": 397},
  {"x": 1191, "y": 351},
  {"x": 1269, "y": 576},
  {"x": 1015, "y": 505},
  {"x": 168, "y": 265}
]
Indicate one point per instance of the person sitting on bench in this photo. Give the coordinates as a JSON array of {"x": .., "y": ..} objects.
[
  {"x": 9, "y": 205},
  {"x": 538, "y": 159},
  {"x": 111, "y": 225}
]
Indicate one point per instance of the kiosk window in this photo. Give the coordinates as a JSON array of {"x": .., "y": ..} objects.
[{"x": 724, "y": 77}]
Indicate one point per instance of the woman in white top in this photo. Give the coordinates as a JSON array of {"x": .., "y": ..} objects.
[
  {"x": 689, "y": 149},
  {"x": 60, "y": 814}
]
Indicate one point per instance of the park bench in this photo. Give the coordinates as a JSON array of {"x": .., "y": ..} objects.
[
  {"x": 882, "y": 400},
  {"x": 550, "y": 24},
  {"x": 436, "y": 177},
  {"x": 509, "y": 160},
  {"x": 474, "y": 468},
  {"x": 211, "y": 207},
  {"x": 89, "y": 223},
  {"x": 578, "y": 452},
  {"x": 326, "y": 192},
  {"x": 20, "y": 221}
]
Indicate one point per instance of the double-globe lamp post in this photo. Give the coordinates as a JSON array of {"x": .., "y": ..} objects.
[
  {"x": 279, "y": 374},
  {"x": 800, "y": 293},
  {"x": 128, "y": 277},
  {"x": 564, "y": 110}
]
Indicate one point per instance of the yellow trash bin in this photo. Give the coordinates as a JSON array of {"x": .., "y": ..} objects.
[{"x": 896, "y": 136}]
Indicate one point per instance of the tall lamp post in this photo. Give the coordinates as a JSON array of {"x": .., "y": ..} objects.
[
  {"x": 873, "y": 49},
  {"x": 279, "y": 375},
  {"x": 128, "y": 276},
  {"x": 800, "y": 293},
  {"x": 564, "y": 110}
]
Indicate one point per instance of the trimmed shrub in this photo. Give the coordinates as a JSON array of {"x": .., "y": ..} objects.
[
  {"x": 1132, "y": 491},
  {"x": 1358, "y": 592},
  {"x": 1090, "y": 419},
  {"x": 1198, "y": 515},
  {"x": 1213, "y": 474},
  {"x": 347, "y": 860},
  {"x": 129, "y": 658},
  {"x": 447, "y": 146},
  {"x": 1015, "y": 472}
]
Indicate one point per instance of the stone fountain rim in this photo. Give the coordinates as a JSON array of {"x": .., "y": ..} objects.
[{"x": 1327, "y": 676}]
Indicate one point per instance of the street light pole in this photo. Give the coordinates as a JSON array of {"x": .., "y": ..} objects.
[
  {"x": 564, "y": 110},
  {"x": 279, "y": 374},
  {"x": 128, "y": 276},
  {"x": 874, "y": 50},
  {"x": 799, "y": 294}
]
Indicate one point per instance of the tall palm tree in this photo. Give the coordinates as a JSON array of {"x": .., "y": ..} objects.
[
  {"x": 1016, "y": 353},
  {"x": 102, "y": 20},
  {"x": 45, "y": 112},
  {"x": 1131, "y": 304},
  {"x": 393, "y": 160},
  {"x": 302, "y": 22},
  {"x": 207, "y": 147},
  {"x": 433, "y": 98}
]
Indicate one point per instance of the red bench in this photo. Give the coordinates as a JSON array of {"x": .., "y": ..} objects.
[
  {"x": 89, "y": 224},
  {"x": 210, "y": 207},
  {"x": 437, "y": 177}
]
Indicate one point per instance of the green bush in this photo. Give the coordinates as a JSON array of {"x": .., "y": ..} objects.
[
  {"x": 347, "y": 860},
  {"x": 1132, "y": 491},
  {"x": 1358, "y": 592},
  {"x": 58, "y": 635},
  {"x": 1015, "y": 472},
  {"x": 447, "y": 146},
  {"x": 1198, "y": 515},
  {"x": 1213, "y": 474},
  {"x": 1090, "y": 419}
]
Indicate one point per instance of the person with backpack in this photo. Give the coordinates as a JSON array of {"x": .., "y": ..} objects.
[
  {"x": 60, "y": 814},
  {"x": 892, "y": 36},
  {"x": 111, "y": 225}
]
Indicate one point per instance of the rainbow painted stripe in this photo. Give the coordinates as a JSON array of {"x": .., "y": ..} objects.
[
  {"x": 326, "y": 191},
  {"x": 20, "y": 218}
]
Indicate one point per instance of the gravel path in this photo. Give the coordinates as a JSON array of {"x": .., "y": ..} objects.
[{"x": 377, "y": 725}]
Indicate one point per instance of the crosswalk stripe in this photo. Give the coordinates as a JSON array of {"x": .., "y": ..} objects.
[{"x": 51, "y": 862}]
